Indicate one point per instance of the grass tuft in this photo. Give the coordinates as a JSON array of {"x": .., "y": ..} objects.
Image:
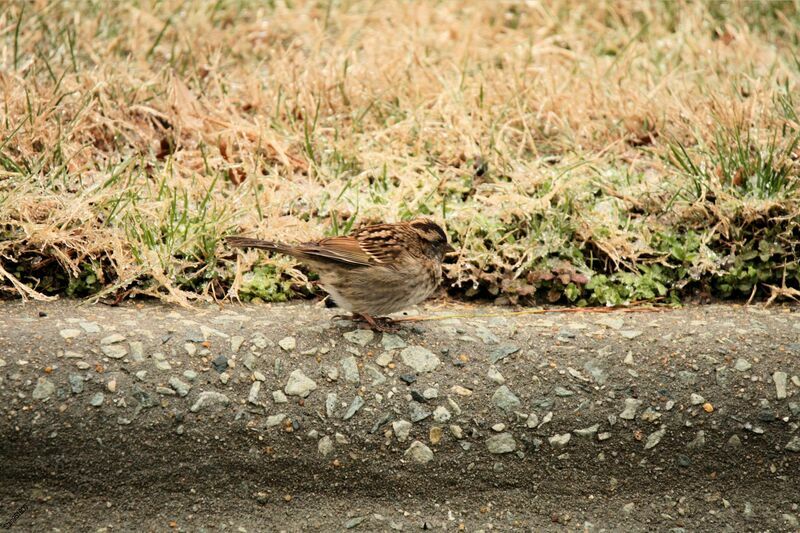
[{"x": 586, "y": 155}]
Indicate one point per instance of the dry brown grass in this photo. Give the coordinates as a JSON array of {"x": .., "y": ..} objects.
[{"x": 540, "y": 132}]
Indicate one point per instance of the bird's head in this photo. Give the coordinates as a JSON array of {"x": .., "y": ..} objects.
[{"x": 433, "y": 236}]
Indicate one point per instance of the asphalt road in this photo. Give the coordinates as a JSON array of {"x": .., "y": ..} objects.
[{"x": 254, "y": 418}]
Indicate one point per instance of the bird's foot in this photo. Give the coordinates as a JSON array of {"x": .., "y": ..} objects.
[{"x": 381, "y": 324}]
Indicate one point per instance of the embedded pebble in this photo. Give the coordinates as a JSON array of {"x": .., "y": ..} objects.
[
  {"x": 137, "y": 350},
  {"x": 299, "y": 384},
  {"x": 631, "y": 406},
  {"x": 499, "y": 427},
  {"x": 401, "y": 429},
  {"x": 431, "y": 393},
  {"x": 502, "y": 443},
  {"x": 454, "y": 407},
  {"x": 559, "y": 440},
  {"x": 75, "y": 383},
  {"x": 630, "y": 333},
  {"x": 350, "y": 368},
  {"x": 376, "y": 376},
  {"x": 755, "y": 429},
  {"x": 794, "y": 444},
  {"x": 114, "y": 351},
  {"x": 279, "y": 397},
  {"x": 325, "y": 446},
  {"x": 390, "y": 341},
  {"x": 43, "y": 390},
  {"x": 69, "y": 333},
  {"x": 220, "y": 363},
  {"x": 97, "y": 399},
  {"x": 419, "y": 453},
  {"x": 417, "y": 412},
  {"x": 505, "y": 399},
  {"x": 420, "y": 359},
  {"x": 209, "y": 399},
  {"x": 260, "y": 342},
  {"x": 698, "y": 441},
  {"x": 358, "y": 403},
  {"x": 236, "y": 343},
  {"x": 354, "y": 522},
  {"x": 587, "y": 432},
  {"x": 742, "y": 365},
  {"x": 461, "y": 391},
  {"x": 330, "y": 372},
  {"x": 502, "y": 352},
  {"x": 650, "y": 415},
  {"x": 496, "y": 376},
  {"x": 90, "y": 327},
  {"x": 331, "y": 401},
  {"x": 594, "y": 368},
  {"x": 362, "y": 337},
  {"x": 441, "y": 414},
  {"x": 255, "y": 389},
  {"x": 180, "y": 387},
  {"x": 532, "y": 421},
  {"x": 114, "y": 338},
  {"x": 486, "y": 336},
  {"x": 654, "y": 438},
  {"x": 383, "y": 359},
  {"x": 610, "y": 322},
  {"x": 696, "y": 399},
  {"x": 435, "y": 435},
  {"x": 779, "y": 378},
  {"x": 288, "y": 344},
  {"x": 274, "y": 420}
]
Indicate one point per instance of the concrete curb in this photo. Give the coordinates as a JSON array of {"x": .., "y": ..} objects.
[{"x": 250, "y": 407}]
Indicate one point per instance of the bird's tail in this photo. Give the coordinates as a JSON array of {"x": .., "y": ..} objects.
[{"x": 248, "y": 242}]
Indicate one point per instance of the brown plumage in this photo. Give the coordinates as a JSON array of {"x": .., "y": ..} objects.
[{"x": 376, "y": 270}]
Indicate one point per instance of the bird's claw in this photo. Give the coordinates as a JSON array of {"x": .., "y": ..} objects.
[{"x": 380, "y": 324}]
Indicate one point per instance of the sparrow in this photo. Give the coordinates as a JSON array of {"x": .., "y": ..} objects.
[{"x": 374, "y": 271}]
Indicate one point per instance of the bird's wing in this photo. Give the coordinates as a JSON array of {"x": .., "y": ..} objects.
[{"x": 346, "y": 250}]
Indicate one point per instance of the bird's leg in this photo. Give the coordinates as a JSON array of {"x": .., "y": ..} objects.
[{"x": 382, "y": 324}]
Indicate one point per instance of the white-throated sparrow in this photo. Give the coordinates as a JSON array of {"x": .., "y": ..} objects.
[{"x": 376, "y": 270}]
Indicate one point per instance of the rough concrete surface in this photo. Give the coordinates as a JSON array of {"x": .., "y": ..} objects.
[{"x": 270, "y": 418}]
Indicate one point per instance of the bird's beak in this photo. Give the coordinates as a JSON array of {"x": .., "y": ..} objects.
[{"x": 449, "y": 249}]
